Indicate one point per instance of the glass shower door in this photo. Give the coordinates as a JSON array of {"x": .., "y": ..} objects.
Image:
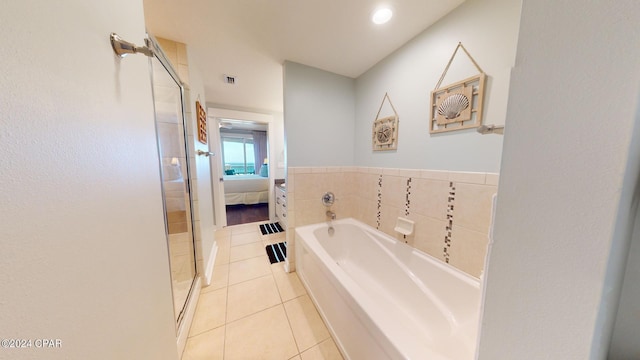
[{"x": 171, "y": 137}]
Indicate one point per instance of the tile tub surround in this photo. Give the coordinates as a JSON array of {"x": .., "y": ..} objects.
[{"x": 451, "y": 209}]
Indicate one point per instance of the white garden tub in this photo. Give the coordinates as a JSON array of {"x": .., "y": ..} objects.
[{"x": 382, "y": 299}]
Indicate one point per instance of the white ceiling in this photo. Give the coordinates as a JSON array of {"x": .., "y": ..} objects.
[{"x": 250, "y": 39}]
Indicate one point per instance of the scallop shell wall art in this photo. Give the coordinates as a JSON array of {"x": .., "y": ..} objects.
[
  {"x": 453, "y": 105},
  {"x": 457, "y": 106}
]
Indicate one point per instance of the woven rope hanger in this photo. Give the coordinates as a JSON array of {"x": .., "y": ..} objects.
[
  {"x": 386, "y": 96},
  {"x": 451, "y": 60}
]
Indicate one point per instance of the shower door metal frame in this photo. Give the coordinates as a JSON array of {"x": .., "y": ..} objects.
[{"x": 152, "y": 43}]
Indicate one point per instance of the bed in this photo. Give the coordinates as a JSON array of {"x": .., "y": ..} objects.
[{"x": 246, "y": 189}]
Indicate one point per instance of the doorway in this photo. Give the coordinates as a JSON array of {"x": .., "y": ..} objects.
[
  {"x": 245, "y": 161},
  {"x": 245, "y": 186}
]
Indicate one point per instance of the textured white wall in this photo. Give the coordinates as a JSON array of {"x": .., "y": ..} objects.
[
  {"x": 624, "y": 343},
  {"x": 203, "y": 206},
  {"x": 83, "y": 253},
  {"x": 276, "y": 140},
  {"x": 488, "y": 29},
  {"x": 318, "y": 116},
  {"x": 569, "y": 168}
]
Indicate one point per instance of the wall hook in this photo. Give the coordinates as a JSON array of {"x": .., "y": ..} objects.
[
  {"x": 123, "y": 48},
  {"x": 491, "y": 129}
]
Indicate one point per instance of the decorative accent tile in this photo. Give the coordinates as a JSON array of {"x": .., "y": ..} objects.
[
  {"x": 379, "y": 202},
  {"x": 407, "y": 200},
  {"x": 449, "y": 228}
]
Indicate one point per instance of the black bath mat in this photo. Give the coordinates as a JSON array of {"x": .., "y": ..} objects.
[
  {"x": 272, "y": 228},
  {"x": 276, "y": 252}
]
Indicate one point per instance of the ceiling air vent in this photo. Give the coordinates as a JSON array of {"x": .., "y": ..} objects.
[{"x": 230, "y": 79}]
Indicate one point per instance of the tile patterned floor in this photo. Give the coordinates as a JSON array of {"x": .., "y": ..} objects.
[{"x": 253, "y": 309}]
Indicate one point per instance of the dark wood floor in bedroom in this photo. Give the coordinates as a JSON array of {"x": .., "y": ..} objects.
[{"x": 242, "y": 214}]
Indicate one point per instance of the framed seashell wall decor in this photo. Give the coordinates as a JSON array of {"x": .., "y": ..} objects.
[
  {"x": 457, "y": 106},
  {"x": 385, "y": 130}
]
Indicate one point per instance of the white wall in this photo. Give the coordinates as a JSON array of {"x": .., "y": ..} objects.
[
  {"x": 488, "y": 29},
  {"x": 203, "y": 204},
  {"x": 83, "y": 252},
  {"x": 319, "y": 108},
  {"x": 624, "y": 343},
  {"x": 276, "y": 140},
  {"x": 569, "y": 169}
]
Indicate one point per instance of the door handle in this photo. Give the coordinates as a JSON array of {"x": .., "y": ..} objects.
[{"x": 205, "y": 153}]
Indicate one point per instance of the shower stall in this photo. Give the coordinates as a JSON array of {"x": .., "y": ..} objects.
[
  {"x": 169, "y": 96},
  {"x": 169, "y": 104}
]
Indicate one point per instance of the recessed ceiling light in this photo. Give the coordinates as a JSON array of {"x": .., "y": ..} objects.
[{"x": 382, "y": 15}]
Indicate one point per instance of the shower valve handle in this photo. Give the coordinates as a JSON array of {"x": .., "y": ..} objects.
[{"x": 328, "y": 198}]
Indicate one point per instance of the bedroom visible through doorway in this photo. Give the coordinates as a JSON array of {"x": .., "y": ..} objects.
[
  {"x": 243, "y": 214},
  {"x": 245, "y": 162}
]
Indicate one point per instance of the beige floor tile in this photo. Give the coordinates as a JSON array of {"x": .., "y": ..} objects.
[
  {"x": 251, "y": 296},
  {"x": 247, "y": 251},
  {"x": 223, "y": 232},
  {"x": 206, "y": 346},
  {"x": 223, "y": 238},
  {"x": 278, "y": 267},
  {"x": 210, "y": 312},
  {"x": 297, "y": 357},
  {"x": 265, "y": 335},
  {"x": 326, "y": 350},
  {"x": 308, "y": 328},
  {"x": 222, "y": 257},
  {"x": 289, "y": 285},
  {"x": 244, "y": 270},
  {"x": 219, "y": 278},
  {"x": 245, "y": 238},
  {"x": 244, "y": 228}
]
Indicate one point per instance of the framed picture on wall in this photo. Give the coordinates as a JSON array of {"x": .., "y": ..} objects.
[
  {"x": 385, "y": 129},
  {"x": 457, "y": 106},
  {"x": 385, "y": 133}
]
